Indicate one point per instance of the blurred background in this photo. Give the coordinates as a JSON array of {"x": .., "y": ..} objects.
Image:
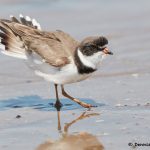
[{"x": 122, "y": 80}]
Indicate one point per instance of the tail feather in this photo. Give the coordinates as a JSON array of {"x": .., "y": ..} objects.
[
  {"x": 29, "y": 22},
  {"x": 14, "y": 19},
  {"x": 13, "y": 45}
]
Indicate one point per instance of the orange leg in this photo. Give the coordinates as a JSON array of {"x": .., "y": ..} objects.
[{"x": 75, "y": 99}]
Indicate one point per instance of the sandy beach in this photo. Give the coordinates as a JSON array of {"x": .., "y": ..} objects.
[{"x": 120, "y": 88}]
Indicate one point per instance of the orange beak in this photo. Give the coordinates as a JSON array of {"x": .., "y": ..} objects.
[{"x": 107, "y": 51}]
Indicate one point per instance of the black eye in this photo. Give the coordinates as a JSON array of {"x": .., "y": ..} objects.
[{"x": 89, "y": 49}]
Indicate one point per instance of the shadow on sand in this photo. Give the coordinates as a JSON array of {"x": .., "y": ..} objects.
[
  {"x": 39, "y": 103},
  {"x": 78, "y": 141}
]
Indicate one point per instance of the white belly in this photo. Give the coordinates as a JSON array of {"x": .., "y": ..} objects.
[
  {"x": 66, "y": 78},
  {"x": 66, "y": 75}
]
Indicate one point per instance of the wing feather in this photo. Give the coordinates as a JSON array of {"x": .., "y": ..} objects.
[{"x": 55, "y": 47}]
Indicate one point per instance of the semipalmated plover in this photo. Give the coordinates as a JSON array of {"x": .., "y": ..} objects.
[{"x": 54, "y": 56}]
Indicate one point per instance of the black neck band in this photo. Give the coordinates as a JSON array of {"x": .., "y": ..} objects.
[{"x": 82, "y": 69}]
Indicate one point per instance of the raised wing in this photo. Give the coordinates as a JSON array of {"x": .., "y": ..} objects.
[{"x": 54, "y": 47}]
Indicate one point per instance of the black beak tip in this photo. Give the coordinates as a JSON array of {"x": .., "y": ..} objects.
[{"x": 110, "y": 53}]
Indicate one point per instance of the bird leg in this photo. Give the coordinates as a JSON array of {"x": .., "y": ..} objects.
[
  {"x": 59, "y": 123},
  {"x": 75, "y": 99},
  {"x": 58, "y": 104}
]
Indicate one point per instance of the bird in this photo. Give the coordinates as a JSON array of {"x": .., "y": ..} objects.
[{"x": 54, "y": 56}]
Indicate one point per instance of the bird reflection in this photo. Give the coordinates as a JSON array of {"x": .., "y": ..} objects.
[{"x": 78, "y": 141}]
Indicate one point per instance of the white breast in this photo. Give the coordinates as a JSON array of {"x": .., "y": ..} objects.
[{"x": 67, "y": 74}]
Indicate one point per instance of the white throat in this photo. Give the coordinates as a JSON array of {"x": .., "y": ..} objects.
[
  {"x": 84, "y": 60},
  {"x": 91, "y": 61}
]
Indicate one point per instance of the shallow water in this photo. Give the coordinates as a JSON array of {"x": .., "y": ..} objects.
[
  {"x": 120, "y": 87},
  {"x": 39, "y": 103}
]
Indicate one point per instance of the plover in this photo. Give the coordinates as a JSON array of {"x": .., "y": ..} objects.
[{"x": 55, "y": 56}]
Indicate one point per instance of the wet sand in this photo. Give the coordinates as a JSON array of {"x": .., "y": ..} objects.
[{"x": 120, "y": 88}]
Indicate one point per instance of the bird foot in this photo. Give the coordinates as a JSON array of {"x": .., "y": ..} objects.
[{"x": 85, "y": 105}]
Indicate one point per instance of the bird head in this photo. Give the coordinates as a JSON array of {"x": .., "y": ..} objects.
[{"x": 93, "y": 49}]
